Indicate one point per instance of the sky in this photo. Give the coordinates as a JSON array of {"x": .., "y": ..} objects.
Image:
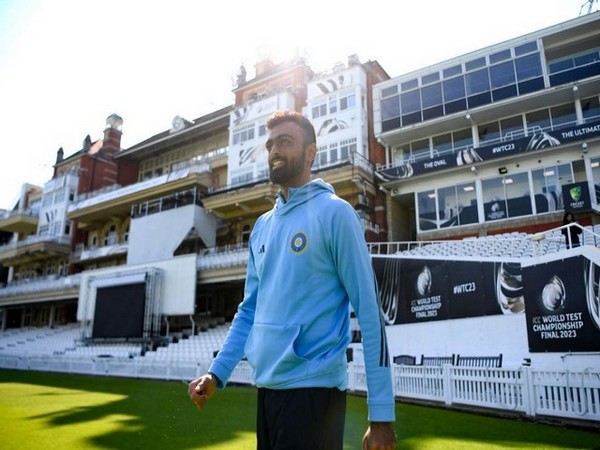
[{"x": 66, "y": 65}]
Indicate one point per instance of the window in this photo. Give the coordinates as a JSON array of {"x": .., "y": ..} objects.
[
  {"x": 386, "y": 92},
  {"x": 347, "y": 101},
  {"x": 319, "y": 110},
  {"x": 408, "y": 85},
  {"x": 427, "y": 210},
  {"x": 322, "y": 155},
  {"x": 454, "y": 89},
  {"x": 537, "y": 121},
  {"x": 431, "y": 78},
  {"x": 563, "y": 115},
  {"x": 246, "y": 230},
  {"x": 591, "y": 109},
  {"x": 502, "y": 74},
  {"x": 547, "y": 188},
  {"x": 477, "y": 82},
  {"x": 332, "y": 105},
  {"x": 333, "y": 152},
  {"x": 528, "y": 67},
  {"x": 110, "y": 237},
  {"x": 488, "y": 133},
  {"x": 506, "y": 197},
  {"x": 243, "y": 134},
  {"x": 502, "y": 55},
  {"x": 512, "y": 128},
  {"x": 462, "y": 138},
  {"x": 390, "y": 107},
  {"x": 347, "y": 147},
  {"x": 420, "y": 149},
  {"x": 442, "y": 144}
]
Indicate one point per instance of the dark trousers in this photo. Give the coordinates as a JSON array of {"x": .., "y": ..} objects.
[{"x": 300, "y": 419}]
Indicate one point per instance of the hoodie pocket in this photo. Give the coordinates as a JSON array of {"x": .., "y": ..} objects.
[{"x": 270, "y": 350}]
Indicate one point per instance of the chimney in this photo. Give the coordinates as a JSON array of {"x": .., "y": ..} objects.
[
  {"x": 263, "y": 66},
  {"x": 112, "y": 135},
  {"x": 60, "y": 154},
  {"x": 87, "y": 143}
]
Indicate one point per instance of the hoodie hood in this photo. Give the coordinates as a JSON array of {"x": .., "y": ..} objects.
[{"x": 302, "y": 194}]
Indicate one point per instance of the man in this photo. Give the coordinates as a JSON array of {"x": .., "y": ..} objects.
[{"x": 308, "y": 262}]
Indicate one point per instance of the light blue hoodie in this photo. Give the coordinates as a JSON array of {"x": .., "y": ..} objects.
[{"x": 308, "y": 262}]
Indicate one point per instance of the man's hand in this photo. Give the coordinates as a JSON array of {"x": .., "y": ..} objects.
[
  {"x": 201, "y": 389},
  {"x": 380, "y": 436}
]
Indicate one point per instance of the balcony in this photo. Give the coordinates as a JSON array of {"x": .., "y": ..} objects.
[
  {"x": 52, "y": 287},
  {"x": 95, "y": 254},
  {"x": 34, "y": 248},
  {"x": 220, "y": 264},
  {"x": 96, "y": 207},
  {"x": 256, "y": 195},
  {"x": 22, "y": 222}
]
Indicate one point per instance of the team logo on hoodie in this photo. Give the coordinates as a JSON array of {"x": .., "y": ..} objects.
[{"x": 299, "y": 242}]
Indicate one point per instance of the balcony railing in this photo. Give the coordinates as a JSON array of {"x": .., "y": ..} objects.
[
  {"x": 30, "y": 240},
  {"x": 222, "y": 257},
  {"x": 84, "y": 253},
  {"x": 27, "y": 212},
  {"x": 354, "y": 159},
  {"x": 45, "y": 284}
]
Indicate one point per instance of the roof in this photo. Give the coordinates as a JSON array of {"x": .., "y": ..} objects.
[{"x": 199, "y": 126}]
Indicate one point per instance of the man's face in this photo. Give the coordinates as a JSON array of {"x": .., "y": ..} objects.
[{"x": 288, "y": 165}]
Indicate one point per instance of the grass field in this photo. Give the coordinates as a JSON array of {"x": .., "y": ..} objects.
[{"x": 45, "y": 411}]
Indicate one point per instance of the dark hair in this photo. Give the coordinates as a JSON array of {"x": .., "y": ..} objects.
[
  {"x": 566, "y": 218},
  {"x": 280, "y": 117}
]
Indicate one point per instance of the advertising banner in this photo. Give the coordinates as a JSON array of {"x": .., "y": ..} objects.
[
  {"x": 423, "y": 290},
  {"x": 562, "y": 306},
  {"x": 577, "y": 197},
  {"x": 537, "y": 141}
]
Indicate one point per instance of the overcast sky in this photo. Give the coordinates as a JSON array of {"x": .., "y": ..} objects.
[{"x": 66, "y": 65}]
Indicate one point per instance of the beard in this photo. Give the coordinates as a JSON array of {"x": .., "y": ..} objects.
[{"x": 291, "y": 168}]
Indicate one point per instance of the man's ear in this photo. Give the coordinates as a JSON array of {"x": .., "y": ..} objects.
[{"x": 312, "y": 152}]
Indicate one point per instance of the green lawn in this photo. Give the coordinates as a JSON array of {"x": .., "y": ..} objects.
[{"x": 45, "y": 411}]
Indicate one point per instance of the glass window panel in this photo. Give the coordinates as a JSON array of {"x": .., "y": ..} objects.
[
  {"x": 591, "y": 108},
  {"x": 431, "y": 78},
  {"x": 447, "y": 206},
  {"x": 432, "y": 113},
  {"x": 455, "y": 106},
  {"x": 432, "y": 95},
  {"x": 488, "y": 133},
  {"x": 559, "y": 66},
  {"x": 563, "y": 115},
  {"x": 518, "y": 196},
  {"x": 442, "y": 144},
  {"x": 390, "y": 124},
  {"x": 477, "y": 82},
  {"x": 479, "y": 99},
  {"x": 504, "y": 92},
  {"x": 408, "y": 85},
  {"x": 451, "y": 71},
  {"x": 466, "y": 198},
  {"x": 427, "y": 216},
  {"x": 391, "y": 90},
  {"x": 502, "y": 74},
  {"x": 500, "y": 56},
  {"x": 528, "y": 67},
  {"x": 494, "y": 199},
  {"x": 454, "y": 89},
  {"x": 526, "y": 48},
  {"x": 410, "y": 101},
  {"x": 409, "y": 119},
  {"x": 462, "y": 138},
  {"x": 420, "y": 149},
  {"x": 586, "y": 59},
  {"x": 332, "y": 105},
  {"x": 512, "y": 128},
  {"x": 475, "y": 64},
  {"x": 538, "y": 120},
  {"x": 535, "y": 84},
  {"x": 390, "y": 107}
]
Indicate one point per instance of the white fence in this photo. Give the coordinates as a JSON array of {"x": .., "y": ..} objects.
[{"x": 574, "y": 395}]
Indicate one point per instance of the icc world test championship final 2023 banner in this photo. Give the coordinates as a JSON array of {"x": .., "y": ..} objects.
[{"x": 559, "y": 299}]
